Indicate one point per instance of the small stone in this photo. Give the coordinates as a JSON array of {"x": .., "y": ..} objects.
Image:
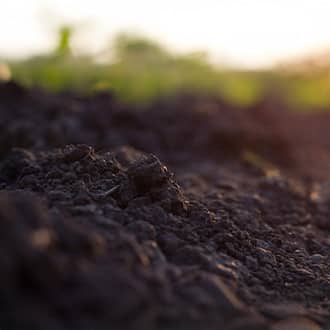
[
  {"x": 147, "y": 173},
  {"x": 316, "y": 258},
  {"x": 74, "y": 153}
]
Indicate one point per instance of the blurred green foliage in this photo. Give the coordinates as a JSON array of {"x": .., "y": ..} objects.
[
  {"x": 139, "y": 70},
  {"x": 64, "y": 41}
]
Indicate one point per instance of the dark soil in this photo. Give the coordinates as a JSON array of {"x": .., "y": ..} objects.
[{"x": 96, "y": 232}]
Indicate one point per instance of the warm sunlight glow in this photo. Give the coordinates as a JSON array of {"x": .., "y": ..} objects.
[{"x": 252, "y": 33}]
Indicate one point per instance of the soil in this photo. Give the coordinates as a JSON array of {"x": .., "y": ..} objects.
[{"x": 184, "y": 214}]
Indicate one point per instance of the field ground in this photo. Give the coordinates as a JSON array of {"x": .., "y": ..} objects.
[{"x": 186, "y": 213}]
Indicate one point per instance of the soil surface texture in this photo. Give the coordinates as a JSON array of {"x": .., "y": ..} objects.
[{"x": 184, "y": 214}]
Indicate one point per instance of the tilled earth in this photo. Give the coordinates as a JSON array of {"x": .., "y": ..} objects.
[{"x": 185, "y": 214}]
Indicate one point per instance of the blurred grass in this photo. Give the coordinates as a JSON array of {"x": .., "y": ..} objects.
[{"x": 137, "y": 69}]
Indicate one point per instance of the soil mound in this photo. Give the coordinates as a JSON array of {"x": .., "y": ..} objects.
[{"x": 96, "y": 232}]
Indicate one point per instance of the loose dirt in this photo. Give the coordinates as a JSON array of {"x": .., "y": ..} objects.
[{"x": 185, "y": 214}]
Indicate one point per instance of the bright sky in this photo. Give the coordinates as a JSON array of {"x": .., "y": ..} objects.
[{"x": 250, "y": 33}]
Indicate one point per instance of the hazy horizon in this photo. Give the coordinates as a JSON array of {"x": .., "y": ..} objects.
[{"x": 249, "y": 34}]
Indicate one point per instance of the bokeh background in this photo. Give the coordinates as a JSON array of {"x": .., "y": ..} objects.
[{"x": 243, "y": 51}]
